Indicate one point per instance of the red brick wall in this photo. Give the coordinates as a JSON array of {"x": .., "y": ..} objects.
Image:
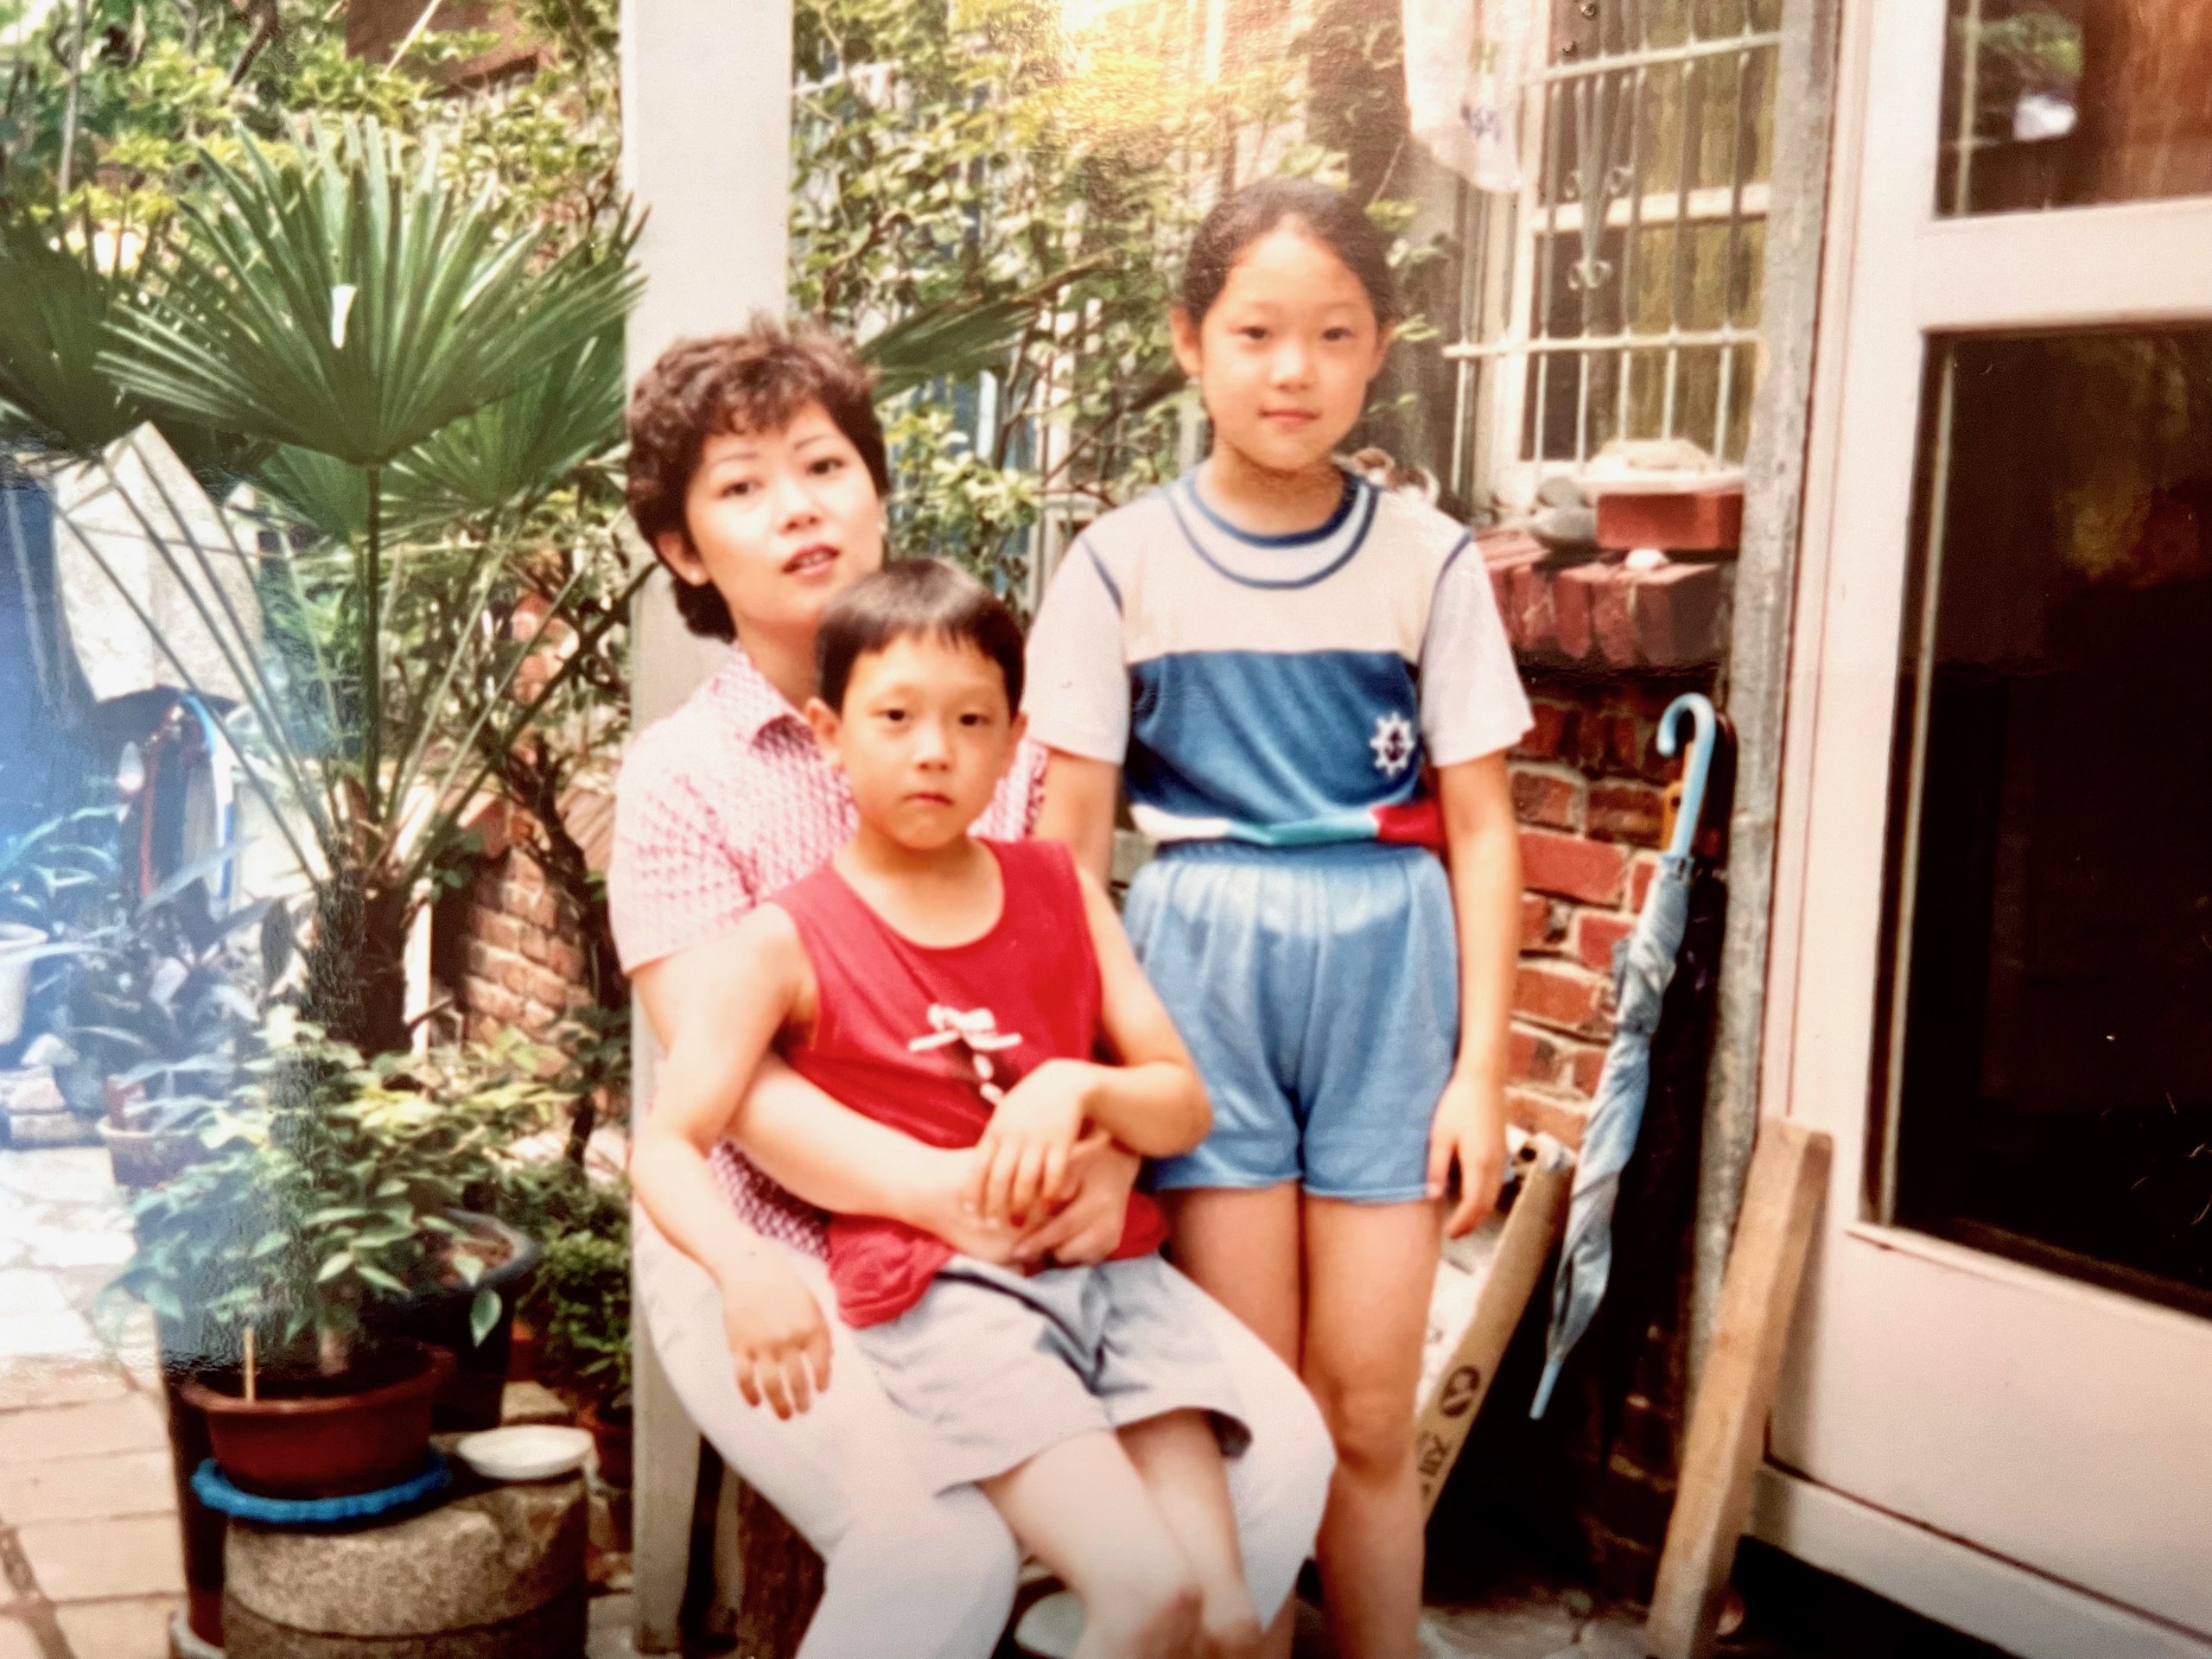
[
  {"x": 1587, "y": 785},
  {"x": 515, "y": 960}
]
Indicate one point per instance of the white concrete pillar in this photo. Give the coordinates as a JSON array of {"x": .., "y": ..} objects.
[
  {"x": 706, "y": 144},
  {"x": 706, "y": 151}
]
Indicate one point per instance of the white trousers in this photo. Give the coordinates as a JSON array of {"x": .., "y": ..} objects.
[{"x": 910, "y": 1575}]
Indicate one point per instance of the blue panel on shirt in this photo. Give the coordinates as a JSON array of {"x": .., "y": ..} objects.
[{"x": 1264, "y": 737}]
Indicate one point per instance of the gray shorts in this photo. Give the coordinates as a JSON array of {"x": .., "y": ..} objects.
[{"x": 994, "y": 1367}]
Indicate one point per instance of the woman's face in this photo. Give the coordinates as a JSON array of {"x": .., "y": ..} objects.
[{"x": 780, "y": 523}]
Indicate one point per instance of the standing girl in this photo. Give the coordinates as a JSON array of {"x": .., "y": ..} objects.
[{"x": 1308, "y": 686}]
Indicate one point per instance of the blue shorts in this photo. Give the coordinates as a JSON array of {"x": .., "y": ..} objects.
[{"x": 1319, "y": 990}]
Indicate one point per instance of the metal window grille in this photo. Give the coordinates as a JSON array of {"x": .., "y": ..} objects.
[{"x": 1616, "y": 296}]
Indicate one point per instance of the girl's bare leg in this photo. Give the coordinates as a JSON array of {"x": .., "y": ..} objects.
[
  {"x": 1081, "y": 1507},
  {"x": 1368, "y": 1272},
  {"x": 1242, "y": 1248},
  {"x": 1179, "y": 1462}
]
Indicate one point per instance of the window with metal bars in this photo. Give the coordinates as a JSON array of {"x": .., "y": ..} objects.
[{"x": 1616, "y": 296}]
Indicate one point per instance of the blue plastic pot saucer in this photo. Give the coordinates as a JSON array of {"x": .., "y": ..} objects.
[{"x": 215, "y": 1491}]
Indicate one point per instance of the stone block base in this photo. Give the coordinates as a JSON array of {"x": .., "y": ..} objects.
[
  {"x": 494, "y": 1573},
  {"x": 553, "y": 1632}
]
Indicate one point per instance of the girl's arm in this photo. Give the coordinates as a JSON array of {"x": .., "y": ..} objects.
[
  {"x": 723, "y": 1025},
  {"x": 1152, "y": 1102},
  {"x": 1484, "y": 857},
  {"x": 1078, "y": 809}
]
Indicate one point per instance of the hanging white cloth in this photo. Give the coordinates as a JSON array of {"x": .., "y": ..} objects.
[{"x": 1465, "y": 60}]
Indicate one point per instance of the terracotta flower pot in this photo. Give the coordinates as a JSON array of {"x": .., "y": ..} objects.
[
  {"x": 327, "y": 1445},
  {"x": 610, "y": 1435}
]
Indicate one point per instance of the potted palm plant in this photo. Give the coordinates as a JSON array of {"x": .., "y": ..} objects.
[{"x": 405, "y": 374}]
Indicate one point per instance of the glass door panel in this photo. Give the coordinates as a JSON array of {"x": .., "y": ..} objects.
[
  {"x": 2064, "y": 103},
  {"x": 2050, "y": 1091}
]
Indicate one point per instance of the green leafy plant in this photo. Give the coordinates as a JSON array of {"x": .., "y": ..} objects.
[
  {"x": 166, "y": 1005},
  {"x": 580, "y": 1299},
  {"x": 995, "y": 204},
  {"x": 58, "y": 871},
  {"x": 328, "y": 1186},
  {"x": 582, "y": 1306}
]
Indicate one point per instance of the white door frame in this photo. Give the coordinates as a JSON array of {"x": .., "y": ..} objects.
[{"x": 2044, "y": 1520}]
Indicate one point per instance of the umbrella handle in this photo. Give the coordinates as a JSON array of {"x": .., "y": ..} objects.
[{"x": 1700, "y": 711}]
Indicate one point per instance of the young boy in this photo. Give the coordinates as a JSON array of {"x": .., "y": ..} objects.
[{"x": 958, "y": 989}]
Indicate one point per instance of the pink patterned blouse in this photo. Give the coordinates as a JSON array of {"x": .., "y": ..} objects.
[{"x": 720, "y": 804}]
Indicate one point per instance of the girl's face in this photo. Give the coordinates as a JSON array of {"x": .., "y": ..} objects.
[
  {"x": 1284, "y": 357},
  {"x": 781, "y": 522}
]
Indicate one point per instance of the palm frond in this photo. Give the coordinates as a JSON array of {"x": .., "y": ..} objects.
[
  {"x": 54, "y": 327},
  {"x": 352, "y": 303},
  {"x": 958, "y": 339},
  {"x": 506, "y": 455}
]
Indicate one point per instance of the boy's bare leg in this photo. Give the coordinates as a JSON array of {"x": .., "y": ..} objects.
[
  {"x": 1242, "y": 1247},
  {"x": 1370, "y": 1268},
  {"x": 1179, "y": 1462},
  {"x": 1081, "y": 1507}
]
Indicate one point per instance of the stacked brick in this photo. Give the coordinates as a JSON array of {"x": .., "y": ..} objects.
[
  {"x": 1588, "y": 783},
  {"x": 521, "y": 965}
]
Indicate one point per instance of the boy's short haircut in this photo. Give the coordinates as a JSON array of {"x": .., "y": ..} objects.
[
  {"x": 911, "y": 598},
  {"x": 755, "y": 380}
]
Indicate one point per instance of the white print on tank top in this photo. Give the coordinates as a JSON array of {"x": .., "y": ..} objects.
[{"x": 976, "y": 1032}]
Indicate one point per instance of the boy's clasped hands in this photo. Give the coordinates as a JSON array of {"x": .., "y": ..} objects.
[{"x": 1035, "y": 1191}]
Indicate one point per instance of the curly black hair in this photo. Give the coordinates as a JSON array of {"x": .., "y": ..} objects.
[{"x": 755, "y": 380}]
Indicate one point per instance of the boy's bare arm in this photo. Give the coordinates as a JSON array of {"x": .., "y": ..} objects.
[
  {"x": 806, "y": 1141},
  {"x": 1484, "y": 845},
  {"x": 1152, "y": 1102},
  {"x": 1078, "y": 809}
]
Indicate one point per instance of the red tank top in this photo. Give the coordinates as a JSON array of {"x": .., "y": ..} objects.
[{"x": 910, "y": 1035}]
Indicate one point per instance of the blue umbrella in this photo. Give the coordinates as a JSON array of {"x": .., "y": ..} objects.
[{"x": 1641, "y": 977}]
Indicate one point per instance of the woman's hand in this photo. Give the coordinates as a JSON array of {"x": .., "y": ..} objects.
[
  {"x": 1468, "y": 1129},
  {"x": 777, "y": 1335},
  {"x": 1101, "y": 1172},
  {"x": 1021, "y": 1162}
]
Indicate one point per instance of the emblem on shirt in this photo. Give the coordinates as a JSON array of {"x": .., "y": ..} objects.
[
  {"x": 974, "y": 1033},
  {"x": 1393, "y": 744}
]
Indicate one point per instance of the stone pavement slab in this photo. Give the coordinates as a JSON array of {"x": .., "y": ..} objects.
[
  {"x": 137, "y": 1628},
  {"x": 27, "y": 1385},
  {"x": 131, "y": 1423},
  {"x": 101, "y": 1560},
  {"x": 27, "y": 1291},
  {"x": 63, "y": 1334},
  {"x": 16, "y": 1641},
  {"x": 86, "y": 1489},
  {"x": 69, "y": 1175}
]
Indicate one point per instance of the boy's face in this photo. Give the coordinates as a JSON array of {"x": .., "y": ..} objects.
[
  {"x": 781, "y": 522},
  {"x": 1284, "y": 357},
  {"x": 924, "y": 737}
]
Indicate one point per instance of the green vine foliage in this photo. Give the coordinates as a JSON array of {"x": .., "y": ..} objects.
[
  {"x": 951, "y": 151},
  {"x": 147, "y": 87}
]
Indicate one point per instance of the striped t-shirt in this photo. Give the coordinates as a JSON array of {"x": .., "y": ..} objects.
[{"x": 1281, "y": 690}]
